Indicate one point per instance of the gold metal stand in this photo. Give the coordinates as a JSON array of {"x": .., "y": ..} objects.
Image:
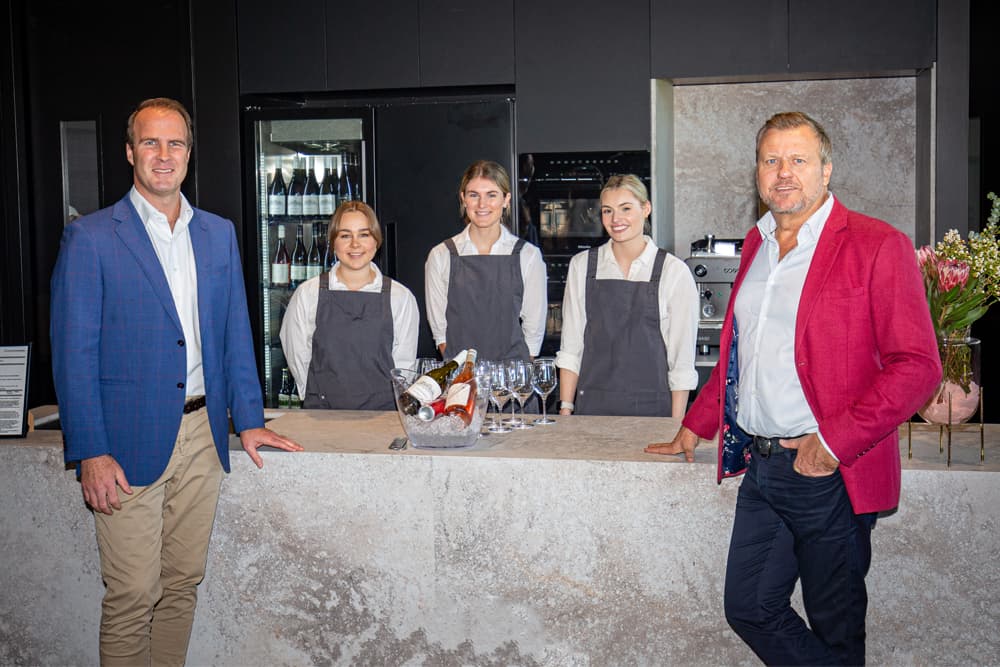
[{"x": 949, "y": 427}]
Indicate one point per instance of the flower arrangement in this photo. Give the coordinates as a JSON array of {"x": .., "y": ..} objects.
[
  {"x": 962, "y": 281},
  {"x": 962, "y": 278}
]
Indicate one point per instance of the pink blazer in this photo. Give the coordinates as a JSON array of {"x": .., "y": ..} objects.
[{"x": 865, "y": 352}]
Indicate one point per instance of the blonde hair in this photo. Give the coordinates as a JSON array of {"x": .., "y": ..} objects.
[
  {"x": 629, "y": 182},
  {"x": 348, "y": 207}
]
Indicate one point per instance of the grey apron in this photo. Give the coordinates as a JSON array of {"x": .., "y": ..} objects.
[
  {"x": 484, "y": 305},
  {"x": 351, "y": 350},
  {"x": 624, "y": 366}
]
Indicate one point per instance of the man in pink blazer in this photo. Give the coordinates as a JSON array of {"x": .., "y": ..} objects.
[{"x": 827, "y": 347}]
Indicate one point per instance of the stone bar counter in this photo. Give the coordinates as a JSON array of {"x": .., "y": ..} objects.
[{"x": 559, "y": 545}]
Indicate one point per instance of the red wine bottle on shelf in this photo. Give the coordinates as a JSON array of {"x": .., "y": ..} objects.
[
  {"x": 314, "y": 262},
  {"x": 296, "y": 188},
  {"x": 281, "y": 262},
  {"x": 345, "y": 187},
  {"x": 310, "y": 193},
  {"x": 297, "y": 270},
  {"x": 277, "y": 194},
  {"x": 327, "y": 193},
  {"x": 329, "y": 256}
]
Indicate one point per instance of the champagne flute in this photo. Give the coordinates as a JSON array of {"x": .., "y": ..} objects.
[
  {"x": 545, "y": 381},
  {"x": 499, "y": 395},
  {"x": 519, "y": 374}
]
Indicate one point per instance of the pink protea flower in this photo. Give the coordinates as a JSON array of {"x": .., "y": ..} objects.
[
  {"x": 926, "y": 257},
  {"x": 952, "y": 273}
]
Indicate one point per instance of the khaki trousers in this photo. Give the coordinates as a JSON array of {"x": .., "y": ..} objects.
[{"x": 153, "y": 553}]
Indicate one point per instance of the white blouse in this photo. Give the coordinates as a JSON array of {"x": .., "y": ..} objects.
[{"x": 299, "y": 324}]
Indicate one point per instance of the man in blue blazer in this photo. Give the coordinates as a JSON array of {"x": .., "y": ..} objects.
[{"x": 152, "y": 356}]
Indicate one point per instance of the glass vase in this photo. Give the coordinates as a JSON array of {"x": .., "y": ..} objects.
[{"x": 956, "y": 399}]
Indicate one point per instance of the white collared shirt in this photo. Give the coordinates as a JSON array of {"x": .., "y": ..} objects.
[
  {"x": 771, "y": 401},
  {"x": 176, "y": 255},
  {"x": 534, "y": 305},
  {"x": 299, "y": 324},
  {"x": 679, "y": 307}
]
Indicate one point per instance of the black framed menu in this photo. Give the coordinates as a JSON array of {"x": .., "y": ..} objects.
[{"x": 14, "y": 365}]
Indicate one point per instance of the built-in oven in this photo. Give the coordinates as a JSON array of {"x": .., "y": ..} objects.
[{"x": 559, "y": 199}]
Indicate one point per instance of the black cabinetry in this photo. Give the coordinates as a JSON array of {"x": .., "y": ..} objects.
[
  {"x": 466, "y": 44},
  {"x": 861, "y": 35},
  {"x": 282, "y": 46},
  {"x": 732, "y": 38},
  {"x": 582, "y": 75},
  {"x": 372, "y": 44},
  {"x": 711, "y": 38}
]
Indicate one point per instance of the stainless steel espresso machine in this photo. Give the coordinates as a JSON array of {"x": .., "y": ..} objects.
[{"x": 713, "y": 262}]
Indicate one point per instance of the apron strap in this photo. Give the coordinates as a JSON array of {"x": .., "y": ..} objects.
[
  {"x": 654, "y": 277},
  {"x": 450, "y": 245},
  {"x": 517, "y": 247}
]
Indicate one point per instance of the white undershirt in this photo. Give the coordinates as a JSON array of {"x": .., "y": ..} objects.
[
  {"x": 176, "y": 255},
  {"x": 771, "y": 402},
  {"x": 679, "y": 307},
  {"x": 534, "y": 305},
  {"x": 299, "y": 324}
]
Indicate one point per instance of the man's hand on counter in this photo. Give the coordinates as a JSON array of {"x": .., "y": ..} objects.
[
  {"x": 100, "y": 477},
  {"x": 256, "y": 437},
  {"x": 683, "y": 443}
]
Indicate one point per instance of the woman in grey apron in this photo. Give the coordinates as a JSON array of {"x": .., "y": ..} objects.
[
  {"x": 486, "y": 288},
  {"x": 630, "y": 318},
  {"x": 346, "y": 329}
]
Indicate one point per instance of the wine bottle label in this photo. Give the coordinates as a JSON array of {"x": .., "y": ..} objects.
[
  {"x": 298, "y": 272},
  {"x": 294, "y": 204},
  {"x": 276, "y": 205},
  {"x": 425, "y": 389},
  {"x": 313, "y": 270},
  {"x": 310, "y": 205},
  {"x": 279, "y": 274},
  {"x": 327, "y": 204},
  {"x": 458, "y": 394}
]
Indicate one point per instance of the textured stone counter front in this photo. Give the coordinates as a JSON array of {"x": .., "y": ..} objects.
[{"x": 563, "y": 545}]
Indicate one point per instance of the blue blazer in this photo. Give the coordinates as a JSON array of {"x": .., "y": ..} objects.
[{"x": 118, "y": 351}]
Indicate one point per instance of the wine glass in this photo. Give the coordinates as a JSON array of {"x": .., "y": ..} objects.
[
  {"x": 545, "y": 381},
  {"x": 484, "y": 378},
  {"x": 499, "y": 395},
  {"x": 519, "y": 376}
]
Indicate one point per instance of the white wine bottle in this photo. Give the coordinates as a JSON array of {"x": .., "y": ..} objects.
[
  {"x": 426, "y": 388},
  {"x": 310, "y": 193},
  {"x": 314, "y": 262}
]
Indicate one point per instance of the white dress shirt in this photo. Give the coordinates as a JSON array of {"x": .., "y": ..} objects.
[
  {"x": 534, "y": 305},
  {"x": 299, "y": 324},
  {"x": 679, "y": 308},
  {"x": 176, "y": 255},
  {"x": 771, "y": 402}
]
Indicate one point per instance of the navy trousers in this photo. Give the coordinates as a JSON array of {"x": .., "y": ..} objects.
[{"x": 789, "y": 527}]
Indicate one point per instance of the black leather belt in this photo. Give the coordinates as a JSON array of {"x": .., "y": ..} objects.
[
  {"x": 194, "y": 404},
  {"x": 767, "y": 446}
]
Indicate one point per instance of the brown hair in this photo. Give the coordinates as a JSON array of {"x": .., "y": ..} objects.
[
  {"x": 360, "y": 207},
  {"x": 491, "y": 171},
  {"x": 159, "y": 103},
  {"x": 789, "y": 120}
]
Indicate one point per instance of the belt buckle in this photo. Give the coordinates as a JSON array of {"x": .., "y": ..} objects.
[{"x": 763, "y": 446}]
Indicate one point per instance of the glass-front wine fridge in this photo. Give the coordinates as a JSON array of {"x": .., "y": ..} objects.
[{"x": 304, "y": 167}]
